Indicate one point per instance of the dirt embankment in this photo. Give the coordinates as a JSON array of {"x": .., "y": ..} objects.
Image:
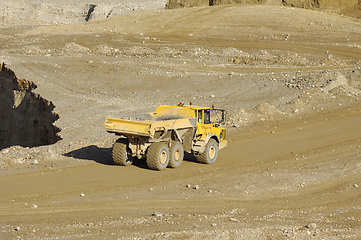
[
  {"x": 350, "y": 8},
  {"x": 26, "y": 119},
  {"x": 338, "y": 4},
  {"x": 197, "y": 3},
  {"x": 353, "y": 11}
]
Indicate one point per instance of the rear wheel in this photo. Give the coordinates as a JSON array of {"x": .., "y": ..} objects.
[
  {"x": 176, "y": 154},
  {"x": 158, "y": 156},
  {"x": 121, "y": 153},
  {"x": 210, "y": 153}
]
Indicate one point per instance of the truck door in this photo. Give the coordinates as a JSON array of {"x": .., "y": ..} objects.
[{"x": 204, "y": 125}]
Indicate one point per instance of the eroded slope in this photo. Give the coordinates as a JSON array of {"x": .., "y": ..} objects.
[{"x": 26, "y": 118}]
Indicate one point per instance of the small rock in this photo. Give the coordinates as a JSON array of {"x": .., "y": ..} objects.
[
  {"x": 234, "y": 220},
  {"x": 17, "y": 228},
  {"x": 34, "y": 206},
  {"x": 82, "y": 194},
  {"x": 355, "y": 185},
  {"x": 213, "y": 96},
  {"x": 311, "y": 226},
  {"x": 213, "y": 224},
  {"x": 150, "y": 189},
  {"x": 210, "y": 190},
  {"x": 196, "y": 187},
  {"x": 188, "y": 185},
  {"x": 158, "y": 214}
]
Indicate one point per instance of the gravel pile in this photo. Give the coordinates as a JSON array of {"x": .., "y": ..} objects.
[{"x": 20, "y": 155}]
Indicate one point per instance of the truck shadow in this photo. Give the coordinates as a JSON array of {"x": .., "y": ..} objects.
[
  {"x": 92, "y": 153},
  {"x": 104, "y": 156}
]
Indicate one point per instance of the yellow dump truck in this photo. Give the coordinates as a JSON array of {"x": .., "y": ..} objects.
[{"x": 164, "y": 135}]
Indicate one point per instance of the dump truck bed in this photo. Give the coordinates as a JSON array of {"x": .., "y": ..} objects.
[
  {"x": 146, "y": 128},
  {"x": 128, "y": 127}
]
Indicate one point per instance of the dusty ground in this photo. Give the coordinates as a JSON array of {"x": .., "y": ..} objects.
[{"x": 289, "y": 78}]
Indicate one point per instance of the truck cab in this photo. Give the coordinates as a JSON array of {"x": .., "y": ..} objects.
[{"x": 209, "y": 120}]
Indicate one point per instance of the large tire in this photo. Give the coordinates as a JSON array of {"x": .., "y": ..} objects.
[
  {"x": 158, "y": 156},
  {"x": 176, "y": 154},
  {"x": 122, "y": 153},
  {"x": 210, "y": 152}
]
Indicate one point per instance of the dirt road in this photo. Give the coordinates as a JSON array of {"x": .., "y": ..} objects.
[
  {"x": 265, "y": 185},
  {"x": 290, "y": 82}
]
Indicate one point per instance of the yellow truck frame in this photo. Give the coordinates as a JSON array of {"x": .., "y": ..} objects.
[{"x": 164, "y": 135}]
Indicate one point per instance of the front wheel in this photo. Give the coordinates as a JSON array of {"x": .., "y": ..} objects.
[
  {"x": 176, "y": 154},
  {"x": 210, "y": 152},
  {"x": 158, "y": 156},
  {"x": 122, "y": 153}
]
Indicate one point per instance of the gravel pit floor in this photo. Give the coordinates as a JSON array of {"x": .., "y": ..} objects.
[{"x": 290, "y": 82}]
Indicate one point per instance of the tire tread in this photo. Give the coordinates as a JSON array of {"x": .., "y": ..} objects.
[
  {"x": 152, "y": 156},
  {"x": 171, "y": 162},
  {"x": 119, "y": 149},
  {"x": 203, "y": 157}
]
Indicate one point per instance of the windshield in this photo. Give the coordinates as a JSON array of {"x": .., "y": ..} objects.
[
  {"x": 218, "y": 116},
  {"x": 207, "y": 116}
]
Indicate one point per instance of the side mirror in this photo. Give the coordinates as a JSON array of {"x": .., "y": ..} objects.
[{"x": 223, "y": 117}]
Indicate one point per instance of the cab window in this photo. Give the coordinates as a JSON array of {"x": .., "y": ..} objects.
[{"x": 200, "y": 116}]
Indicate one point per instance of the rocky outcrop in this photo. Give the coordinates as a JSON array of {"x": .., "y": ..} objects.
[{"x": 26, "y": 119}]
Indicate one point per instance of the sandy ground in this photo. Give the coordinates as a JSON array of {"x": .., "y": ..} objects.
[{"x": 289, "y": 78}]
